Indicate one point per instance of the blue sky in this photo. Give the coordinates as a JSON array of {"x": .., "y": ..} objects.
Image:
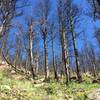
[{"x": 87, "y": 24}]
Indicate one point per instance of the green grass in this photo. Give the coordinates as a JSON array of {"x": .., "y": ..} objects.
[{"x": 15, "y": 89}]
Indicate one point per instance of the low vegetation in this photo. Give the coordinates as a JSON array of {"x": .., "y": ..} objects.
[
  {"x": 12, "y": 88},
  {"x": 49, "y": 50}
]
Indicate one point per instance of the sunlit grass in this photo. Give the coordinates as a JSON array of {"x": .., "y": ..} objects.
[{"x": 10, "y": 89}]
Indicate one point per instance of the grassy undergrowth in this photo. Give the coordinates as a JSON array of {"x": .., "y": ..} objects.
[{"x": 22, "y": 89}]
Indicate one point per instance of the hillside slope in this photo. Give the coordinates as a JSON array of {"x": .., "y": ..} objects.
[{"x": 17, "y": 87}]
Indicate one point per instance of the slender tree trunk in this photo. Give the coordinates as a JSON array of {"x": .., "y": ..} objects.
[
  {"x": 31, "y": 52},
  {"x": 94, "y": 9},
  {"x": 94, "y": 69},
  {"x": 75, "y": 51},
  {"x": 4, "y": 43},
  {"x": 26, "y": 64},
  {"x": 65, "y": 54},
  {"x": 46, "y": 59},
  {"x": 77, "y": 63},
  {"x": 53, "y": 57},
  {"x": 94, "y": 64},
  {"x": 15, "y": 65},
  {"x": 37, "y": 65}
]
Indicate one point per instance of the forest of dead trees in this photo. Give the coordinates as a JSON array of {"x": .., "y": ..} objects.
[{"x": 45, "y": 41}]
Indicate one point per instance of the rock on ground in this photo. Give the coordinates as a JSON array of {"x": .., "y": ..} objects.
[{"x": 94, "y": 95}]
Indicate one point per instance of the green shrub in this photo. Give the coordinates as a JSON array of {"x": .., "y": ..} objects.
[{"x": 51, "y": 89}]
